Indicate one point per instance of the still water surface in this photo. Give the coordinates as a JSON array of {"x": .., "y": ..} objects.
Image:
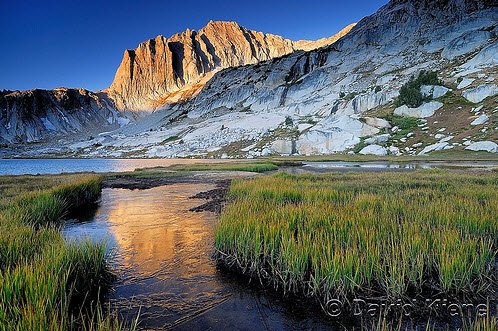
[
  {"x": 162, "y": 254},
  {"x": 55, "y": 166}
]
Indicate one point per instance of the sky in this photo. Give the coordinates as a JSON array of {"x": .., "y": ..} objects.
[{"x": 73, "y": 43}]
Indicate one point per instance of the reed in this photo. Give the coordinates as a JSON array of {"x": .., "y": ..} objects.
[
  {"x": 228, "y": 166},
  {"x": 364, "y": 234},
  {"x": 44, "y": 279}
]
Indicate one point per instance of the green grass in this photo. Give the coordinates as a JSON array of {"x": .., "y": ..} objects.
[
  {"x": 364, "y": 234},
  {"x": 227, "y": 166},
  {"x": 405, "y": 125},
  {"x": 44, "y": 280}
]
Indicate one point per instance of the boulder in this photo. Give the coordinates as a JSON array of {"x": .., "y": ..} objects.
[
  {"x": 480, "y": 93},
  {"x": 477, "y": 109},
  {"x": 374, "y": 150},
  {"x": 426, "y": 110},
  {"x": 380, "y": 139},
  {"x": 333, "y": 134},
  {"x": 445, "y": 139},
  {"x": 487, "y": 146},
  {"x": 325, "y": 142},
  {"x": 394, "y": 150},
  {"x": 434, "y": 147},
  {"x": 465, "y": 82},
  {"x": 480, "y": 120},
  {"x": 285, "y": 147},
  {"x": 434, "y": 91},
  {"x": 377, "y": 122}
]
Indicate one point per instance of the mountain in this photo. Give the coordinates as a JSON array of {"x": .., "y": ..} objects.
[
  {"x": 308, "y": 45},
  {"x": 160, "y": 71},
  {"x": 346, "y": 97},
  {"x": 28, "y": 116},
  {"x": 168, "y": 70}
]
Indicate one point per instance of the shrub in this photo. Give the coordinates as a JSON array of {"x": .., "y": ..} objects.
[
  {"x": 289, "y": 121},
  {"x": 410, "y": 94}
]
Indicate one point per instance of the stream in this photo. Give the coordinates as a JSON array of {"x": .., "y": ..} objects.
[{"x": 162, "y": 255}]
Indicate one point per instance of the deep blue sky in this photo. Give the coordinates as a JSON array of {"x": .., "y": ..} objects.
[{"x": 73, "y": 43}]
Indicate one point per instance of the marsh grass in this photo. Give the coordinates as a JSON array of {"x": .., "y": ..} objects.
[
  {"x": 43, "y": 279},
  {"x": 391, "y": 235},
  {"x": 257, "y": 166}
]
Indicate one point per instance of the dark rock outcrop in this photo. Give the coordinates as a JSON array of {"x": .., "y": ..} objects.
[{"x": 27, "y": 116}]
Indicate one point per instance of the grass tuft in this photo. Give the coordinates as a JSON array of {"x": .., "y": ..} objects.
[
  {"x": 228, "y": 166},
  {"x": 43, "y": 279},
  {"x": 364, "y": 234}
]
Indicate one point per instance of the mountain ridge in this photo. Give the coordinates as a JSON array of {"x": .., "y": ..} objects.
[
  {"x": 28, "y": 123},
  {"x": 160, "y": 69},
  {"x": 338, "y": 98},
  {"x": 32, "y": 115},
  {"x": 331, "y": 96}
]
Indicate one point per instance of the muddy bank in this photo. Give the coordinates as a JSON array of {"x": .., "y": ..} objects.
[
  {"x": 134, "y": 183},
  {"x": 215, "y": 198},
  {"x": 219, "y": 178}
]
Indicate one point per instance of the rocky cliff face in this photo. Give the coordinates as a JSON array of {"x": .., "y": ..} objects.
[
  {"x": 167, "y": 70},
  {"x": 27, "y": 116},
  {"x": 160, "y": 71},
  {"x": 338, "y": 98},
  {"x": 333, "y": 99}
]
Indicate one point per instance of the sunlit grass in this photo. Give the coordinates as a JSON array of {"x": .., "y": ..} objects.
[
  {"x": 227, "y": 166},
  {"x": 43, "y": 279},
  {"x": 373, "y": 234}
]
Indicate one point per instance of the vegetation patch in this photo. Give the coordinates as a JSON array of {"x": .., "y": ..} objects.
[
  {"x": 227, "y": 166},
  {"x": 43, "y": 279},
  {"x": 358, "y": 147},
  {"x": 404, "y": 124},
  {"x": 410, "y": 94},
  {"x": 170, "y": 139},
  {"x": 364, "y": 235}
]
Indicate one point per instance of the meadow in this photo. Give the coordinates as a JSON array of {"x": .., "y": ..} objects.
[
  {"x": 47, "y": 283},
  {"x": 364, "y": 235},
  {"x": 251, "y": 166}
]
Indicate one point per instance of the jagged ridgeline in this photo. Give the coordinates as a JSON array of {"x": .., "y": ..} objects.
[
  {"x": 167, "y": 70},
  {"x": 225, "y": 90}
]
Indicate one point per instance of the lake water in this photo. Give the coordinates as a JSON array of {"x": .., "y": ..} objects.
[
  {"x": 162, "y": 254},
  {"x": 55, "y": 166}
]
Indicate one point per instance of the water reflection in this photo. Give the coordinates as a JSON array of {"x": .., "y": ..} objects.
[
  {"x": 391, "y": 166},
  {"x": 57, "y": 166},
  {"x": 162, "y": 254}
]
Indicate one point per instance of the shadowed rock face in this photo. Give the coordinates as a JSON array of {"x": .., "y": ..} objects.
[
  {"x": 32, "y": 115},
  {"x": 162, "y": 70}
]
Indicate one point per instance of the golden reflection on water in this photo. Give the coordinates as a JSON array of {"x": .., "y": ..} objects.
[
  {"x": 152, "y": 229},
  {"x": 166, "y": 274}
]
